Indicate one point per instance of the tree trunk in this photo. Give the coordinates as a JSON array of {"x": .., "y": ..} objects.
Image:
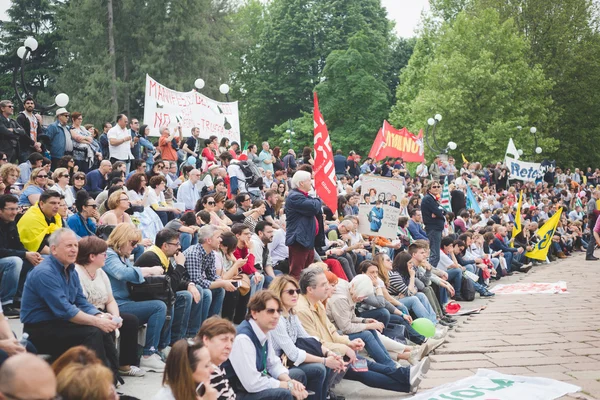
[
  {"x": 113, "y": 60},
  {"x": 126, "y": 87}
]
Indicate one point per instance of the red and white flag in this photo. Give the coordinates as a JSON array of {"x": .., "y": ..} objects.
[{"x": 325, "y": 184}]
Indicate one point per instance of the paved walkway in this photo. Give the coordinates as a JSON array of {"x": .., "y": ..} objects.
[{"x": 548, "y": 335}]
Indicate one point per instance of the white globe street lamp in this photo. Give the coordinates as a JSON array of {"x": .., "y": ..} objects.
[
  {"x": 452, "y": 145},
  {"x": 438, "y": 117},
  {"x": 199, "y": 83},
  {"x": 431, "y": 121},
  {"x": 520, "y": 151},
  {"x": 533, "y": 129},
  {"x": 224, "y": 88},
  {"x": 538, "y": 150},
  {"x": 31, "y": 43},
  {"x": 21, "y": 51},
  {"x": 61, "y": 100}
]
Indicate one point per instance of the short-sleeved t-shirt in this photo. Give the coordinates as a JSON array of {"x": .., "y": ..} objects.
[
  {"x": 29, "y": 190},
  {"x": 174, "y": 224},
  {"x": 97, "y": 291},
  {"x": 167, "y": 152}
]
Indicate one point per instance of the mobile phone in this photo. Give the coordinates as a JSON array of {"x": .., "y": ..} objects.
[
  {"x": 200, "y": 389},
  {"x": 310, "y": 392},
  {"x": 237, "y": 284}
]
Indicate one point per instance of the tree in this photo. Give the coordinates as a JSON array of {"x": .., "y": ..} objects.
[
  {"x": 481, "y": 82},
  {"x": 401, "y": 51},
  {"x": 36, "y": 18},
  {"x": 353, "y": 96}
]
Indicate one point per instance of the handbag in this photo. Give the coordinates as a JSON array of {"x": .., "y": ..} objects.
[
  {"x": 396, "y": 332},
  {"x": 104, "y": 231},
  {"x": 154, "y": 288},
  {"x": 310, "y": 345}
]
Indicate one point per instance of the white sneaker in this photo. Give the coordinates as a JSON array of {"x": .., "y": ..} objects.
[
  {"x": 164, "y": 353},
  {"x": 416, "y": 373},
  {"x": 431, "y": 344},
  {"x": 440, "y": 332},
  {"x": 133, "y": 371},
  {"x": 417, "y": 355},
  {"x": 152, "y": 363}
]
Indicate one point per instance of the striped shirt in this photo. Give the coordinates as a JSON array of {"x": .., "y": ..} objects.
[
  {"x": 397, "y": 285},
  {"x": 219, "y": 382},
  {"x": 284, "y": 337}
]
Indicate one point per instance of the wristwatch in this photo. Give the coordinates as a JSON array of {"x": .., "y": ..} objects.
[{"x": 290, "y": 385}]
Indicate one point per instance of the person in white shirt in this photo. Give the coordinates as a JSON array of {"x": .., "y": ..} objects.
[
  {"x": 422, "y": 170},
  {"x": 189, "y": 191},
  {"x": 119, "y": 140},
  {"x": 251, "y": 377},
  {"x": 262, "y": 256}
]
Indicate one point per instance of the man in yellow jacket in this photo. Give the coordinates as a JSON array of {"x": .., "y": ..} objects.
[{"x": 39, "y": 221}]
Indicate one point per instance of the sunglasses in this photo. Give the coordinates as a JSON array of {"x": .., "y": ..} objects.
[
  {"x": 5, "y": 159},
  {"x": 64, "y": 176},
  {"x": 133, "y": 243},
  {"x": 79, "y": 178},
  {"x": 436, "y": 187},
  {"x": 11, "y": 106},
  {"x": 272, "y": 311},
  {"x": 210, "y": 203},
  {"x": 42, "y": 176},
  {"x": 292, "y": 291}
]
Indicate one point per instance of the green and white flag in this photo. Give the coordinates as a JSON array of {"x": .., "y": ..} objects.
[{"x": 445, "y": 202}]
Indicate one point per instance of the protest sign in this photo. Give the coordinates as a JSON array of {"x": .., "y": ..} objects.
[
  {"x": 488, "y": 384},
  {"x": 531, "y": 288},
  {"x": 524, "y": 171},
  {"x": 167, "y": 107},
  {"x": 392, "y": 142},
  {"x": 380, "y": 219}
]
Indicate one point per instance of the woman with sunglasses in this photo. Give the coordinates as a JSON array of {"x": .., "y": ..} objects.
[
  {"x": 37, "y": 184},
  {"x": 157, "y": 170},
  {"x": 69, "y": 163},
  {"x": 208, "y": 203},
  {"x": 77, "y": 182},
  {"x": 320, "y": 364},
  {"x": 120, "y": 270},
  {"x": 187, "y": 373},
  {"x": 83, "y": 223},
  {"x": 61, "y": 185},
  {"x": 85, "y": 150}
]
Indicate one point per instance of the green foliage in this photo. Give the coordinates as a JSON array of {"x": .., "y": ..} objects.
[
  {"x": 353, "y": 96},
  {"x": 303, "y": 128},
  {"x": 36, "y": 18},
  {"x": 479, "y": 79}
]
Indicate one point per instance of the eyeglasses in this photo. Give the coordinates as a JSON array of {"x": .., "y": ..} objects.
[
  {"x": 174, "y": 244},
  {"x": 248, "y": 199},
  {"x": 11, "y": 208},
  {"x": 123, "y": 199},
  {"x": 92, "y": 205},
  {"x": 79, "y": 178},
  {"x": 272, "y": 311},
  {"x": 64, "y": 175},
  {"x": 41, "y": 176},
  {"x": 5, "y": 159},
  {"x": 292, "y": 291},
  {"x": 160, "y": 166},
  {"x": 10, "y": 106}
]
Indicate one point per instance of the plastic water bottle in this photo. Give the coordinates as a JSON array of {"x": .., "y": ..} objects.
[{"x": 23, "y": 341}]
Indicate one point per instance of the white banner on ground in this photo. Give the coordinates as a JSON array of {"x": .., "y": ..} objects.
[
  {"x": 167, "y": 107},
  {"x": 488, "y": 384},
  {"x": 380, "y": 219},
  {"x": 523, "y": 170},
  {"x": 531, "y": 288}
]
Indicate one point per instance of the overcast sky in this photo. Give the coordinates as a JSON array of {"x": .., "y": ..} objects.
[{"x": 406, "y": 13}]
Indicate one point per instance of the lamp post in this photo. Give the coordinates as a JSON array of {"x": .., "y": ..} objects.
[
  {"x": 437, "y": 149},
  {"x": 537, "y": 149},
  {"x": 290, "y": 132},
  {"x": 23, "y": 52},
  {"x": 224, "y": 89}
]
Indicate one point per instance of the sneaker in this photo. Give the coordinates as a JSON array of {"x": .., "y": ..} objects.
[
  {"x": 431, "y": 344},
  {"x": 487, "y": 293},
  {"x": 152, "y": 363},
  {"x": 416, "y": 355},
  {"x": 416, "y": 373},
  {"x": 133, "y": 371},
  {"x": 11, "y": 312},
  {"x": 164, "y": 353},
  {"x": 449, "y": 319},
  {"x": 443, "y": 322},
  {"x": 440, "y": 332}
]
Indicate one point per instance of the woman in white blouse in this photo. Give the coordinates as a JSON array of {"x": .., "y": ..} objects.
[
  {"x": 155, "y": 198},
  {"x": 96, "y": 288},
  {"x": 318, "y": 368},
  {"x": 61, "y": 185}
]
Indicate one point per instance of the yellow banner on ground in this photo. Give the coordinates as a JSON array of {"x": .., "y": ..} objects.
[
  {"x": 545, "y": 233},
  {"x": 518, "y": 227}
]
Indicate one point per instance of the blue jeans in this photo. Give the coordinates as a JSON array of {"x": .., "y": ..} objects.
[
  {"x": 255, "y": 287},
  {"x": 186, "y": 313},
  {"x": 420, "y": 306},
  {"x": 274, "y": 394},
  {"x": 10, "y": 270},
  {"x": 382, "y": 377},
  {"x": 435, "y": 243},
  {"x": 151, "y": 312},
  {"x": 187, "y": 240},
  {"x": 212, "y": 302},
  {"x": 455, "y": 279},
  {"x": 269, "y": 278},
  {"x": 374, "y": 347},
  {"x": 316, "y": 378}
]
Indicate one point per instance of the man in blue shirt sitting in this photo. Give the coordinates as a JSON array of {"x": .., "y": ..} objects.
[
  {"x": 54, "y": 311},
  {"x": 414, "y": 225}
]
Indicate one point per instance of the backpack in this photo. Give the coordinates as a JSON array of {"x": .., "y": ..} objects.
[
  {"x": 251, "y": 173},
  {"x": 467, "y": 291}
]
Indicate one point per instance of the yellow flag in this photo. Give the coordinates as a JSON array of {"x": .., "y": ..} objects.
[
  {"x": 463, "y": 157},
  {"x": 546, "y": 232},
  {"x": 518, "y": 225}
]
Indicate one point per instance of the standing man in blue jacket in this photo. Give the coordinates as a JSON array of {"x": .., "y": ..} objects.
[
  {"x": 301, "y": 212},
  {"x": 61, "y": 143},
  {"x": 434, "y": 218}
]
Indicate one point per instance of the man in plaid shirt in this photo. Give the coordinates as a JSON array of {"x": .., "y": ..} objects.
[{"x": 200, "y": 264}]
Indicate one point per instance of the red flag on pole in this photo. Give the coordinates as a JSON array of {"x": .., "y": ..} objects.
[{"x": 323, "y": 167}]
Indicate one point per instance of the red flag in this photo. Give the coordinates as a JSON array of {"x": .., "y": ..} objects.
[
  {"x": 392, "y": 142},
  {"x": 323, "y": 167}
]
